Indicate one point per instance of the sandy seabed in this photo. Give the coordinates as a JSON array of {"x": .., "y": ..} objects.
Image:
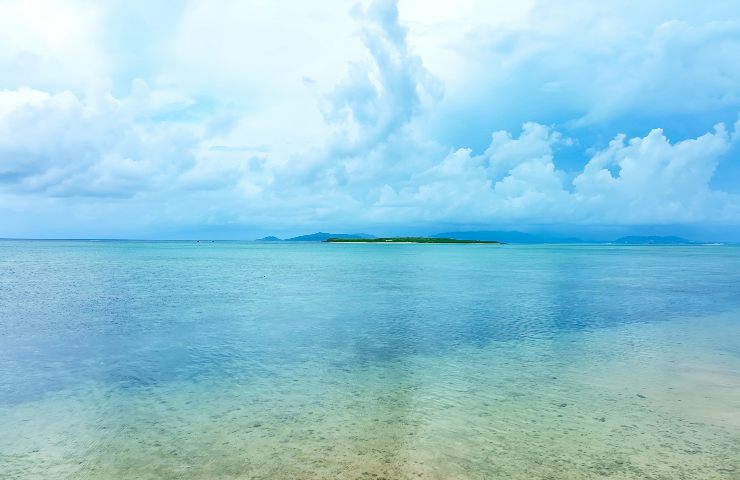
[{"x": 639, "y": 401}]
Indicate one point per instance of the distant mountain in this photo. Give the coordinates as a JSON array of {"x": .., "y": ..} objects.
[
  {"x": 321, "y": 236},
  {"x": 507, "y": 237},
  {"x": 499, "y": 236},
  {"x": 652, "y": 240}
]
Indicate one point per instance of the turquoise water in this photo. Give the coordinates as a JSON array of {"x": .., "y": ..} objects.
[{"x": 245, "y": 360}]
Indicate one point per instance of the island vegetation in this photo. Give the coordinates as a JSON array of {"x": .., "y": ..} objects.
[{"x": 405, "y": 240}]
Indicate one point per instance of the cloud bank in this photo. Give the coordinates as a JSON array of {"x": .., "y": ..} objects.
[{"x": 380, "y": 119}]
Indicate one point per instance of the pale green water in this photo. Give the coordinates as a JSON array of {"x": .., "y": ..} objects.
[{"x": 227, "y": 360}]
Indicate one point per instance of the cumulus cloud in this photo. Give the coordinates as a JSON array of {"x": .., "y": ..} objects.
[
  {"x": 62, "y": 145},
  {"x": 359, "y": 136},
  {"x": 514, "y": 177},
  {"x": 656, "y": 181},
  {"x": 378, "y": 97},
  {"x": 640, "y": 181}
]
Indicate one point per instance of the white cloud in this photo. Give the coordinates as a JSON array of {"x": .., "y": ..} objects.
[
  {"x": 380, "y": 96},
  {"x": 657, "y": 181},
  {"x": 584, "y": 65},
  {"x": 64, "y": 145},
  {"x": 51, "y": 44},
  {"x": 260, "y": 114},
  {"x": 640, "y": 181},
  {"x": 513, "y": 178}
]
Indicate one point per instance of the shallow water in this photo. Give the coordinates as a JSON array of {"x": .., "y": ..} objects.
[{"x": 243, "y": 360}]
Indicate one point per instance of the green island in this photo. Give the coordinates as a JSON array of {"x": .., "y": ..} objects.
[{"x": 405, "y": 240}]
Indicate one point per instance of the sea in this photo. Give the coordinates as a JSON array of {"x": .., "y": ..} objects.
[{"x": 248, "y": 360}]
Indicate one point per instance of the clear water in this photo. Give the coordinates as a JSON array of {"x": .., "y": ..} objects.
[{"x": 240, "y": 360}]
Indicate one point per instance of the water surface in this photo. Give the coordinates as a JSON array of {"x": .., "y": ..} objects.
[{"x": 247, "y": 360}]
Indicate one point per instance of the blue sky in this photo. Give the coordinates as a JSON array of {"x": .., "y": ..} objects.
[{"x": 237, "y": 119}]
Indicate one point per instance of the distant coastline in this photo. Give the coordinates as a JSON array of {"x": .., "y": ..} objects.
[
  {"x": 507, "y": 237},
  {"x": 503, "y": 237}
]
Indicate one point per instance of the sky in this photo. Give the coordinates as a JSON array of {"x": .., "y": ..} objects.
[{"x": 238, "y": 119}]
